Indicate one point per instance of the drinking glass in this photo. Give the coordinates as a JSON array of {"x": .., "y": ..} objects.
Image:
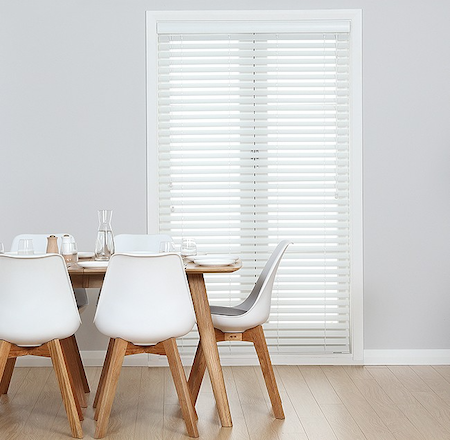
[
  {"x": 25, "y": 246},
  {"x": 188, "y": 247},
  {"x": 69, "y": 250},
  {"x": 166, "y": 246},
  {"x": 2, "y": 248},
  {"x": 74, "y": 249}
]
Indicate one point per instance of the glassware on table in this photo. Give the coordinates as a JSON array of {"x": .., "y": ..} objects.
[
  {"x": 69, "y": 249},
  {"x": 25, "y": 246},
  {"x": 74, "y": 249},
  {"x": 104, "y": 246},
  {"x": 2, "y": 248},
  {"x": 188, "y": 248},
  {"x": 166, "y": 246}
]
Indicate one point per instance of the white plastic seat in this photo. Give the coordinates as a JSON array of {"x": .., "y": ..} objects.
[
  {"x": 244, "y": 323},
  {"x": 144, "y": 305},
  {"x": 40, "y": 246},
  {"x": 129, "y": 243},
  {"x": 38, "y": 315}
]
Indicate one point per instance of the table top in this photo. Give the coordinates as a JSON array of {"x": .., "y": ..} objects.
[
  {"x": 194, "y": 268},
  {"x": 191, "y": 268}
]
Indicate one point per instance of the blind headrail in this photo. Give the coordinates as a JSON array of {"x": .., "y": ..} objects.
[{"x": 245, "y": 26}]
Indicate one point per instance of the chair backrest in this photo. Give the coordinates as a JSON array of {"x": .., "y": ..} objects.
[
  {"x": 259, "y": 301},
  {"x": 36, "y": 300},
  {"x": 126, "y": 243},
  {"x": 39, "y": 241},
  {"x": 145, "y": 299}
]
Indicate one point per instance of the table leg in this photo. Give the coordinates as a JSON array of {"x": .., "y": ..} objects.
[{"x": 209, "y": 345}]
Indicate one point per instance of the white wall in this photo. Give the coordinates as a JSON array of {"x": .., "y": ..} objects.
[{"x": 73, "y": 140}]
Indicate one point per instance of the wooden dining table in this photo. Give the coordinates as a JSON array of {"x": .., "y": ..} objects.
[{"x": 93, "y": 278}]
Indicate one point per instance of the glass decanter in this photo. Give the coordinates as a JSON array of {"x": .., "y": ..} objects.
[{"x": 104, "y": 246}]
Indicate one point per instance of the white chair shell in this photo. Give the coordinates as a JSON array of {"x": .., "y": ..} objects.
[
  {"x": 40, "y": 246},
  {"x": 145, "y": 299},
  {"x": 37, "y": 302}
]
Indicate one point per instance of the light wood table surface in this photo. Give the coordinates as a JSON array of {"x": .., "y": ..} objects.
[{"x": 93, "y": 278}]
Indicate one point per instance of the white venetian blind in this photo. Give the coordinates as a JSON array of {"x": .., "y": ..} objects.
[{"x": 253, "y": 139}]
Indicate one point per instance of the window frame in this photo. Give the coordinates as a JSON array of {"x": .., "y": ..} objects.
[{"x": 356, "y": 154}]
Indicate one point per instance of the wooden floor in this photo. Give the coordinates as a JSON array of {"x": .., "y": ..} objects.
[{"x": 326, "y": 403}]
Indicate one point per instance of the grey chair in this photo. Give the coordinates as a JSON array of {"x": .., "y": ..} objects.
[{"x": 243, "y": 322}]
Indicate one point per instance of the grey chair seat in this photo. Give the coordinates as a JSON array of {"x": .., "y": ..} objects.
[
  {"x": 226, "y": 311},
  {"x": 81, "y": 298}
]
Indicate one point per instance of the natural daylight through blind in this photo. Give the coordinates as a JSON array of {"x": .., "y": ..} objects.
[{"x": 253, "y": 139}]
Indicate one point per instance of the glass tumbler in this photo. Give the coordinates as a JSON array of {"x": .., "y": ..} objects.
[
  {"x": 188, "y": 248},
  {"x": 25, "y": 246},
  {"x": 166, "y": 246}
]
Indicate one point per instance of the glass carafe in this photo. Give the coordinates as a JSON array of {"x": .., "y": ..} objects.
[{"x": 104, "y": 247}]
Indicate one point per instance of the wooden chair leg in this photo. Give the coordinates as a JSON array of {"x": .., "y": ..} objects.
[
  {"x": 7, "y": 375},
  {"x": 105, "y": 402},
  {"x": 79, "y": 363},
  {"x": 58, "y": 360},
  {"x": 75, "y": 384},
  {"x": 5, "y": 348},
  {"x": 197, "y": 373},
  {"x": 181, "y": 385},
  {"x": 103, "y": 373},
  {"x": 74, "y": 373},
  {"x": 256, "y": 335}
]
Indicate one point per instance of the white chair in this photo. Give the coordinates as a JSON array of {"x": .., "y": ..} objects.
[
  {"x": 129, "y": 243},
  {"x": 144, "y": 305},
  {"x": 38, "y": 314},
  {"x": 81, "y": 298},
  {"x": 244, "y": 323}
]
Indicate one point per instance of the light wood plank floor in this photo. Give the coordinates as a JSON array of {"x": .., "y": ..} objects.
[{"x": 321, "y": 403}]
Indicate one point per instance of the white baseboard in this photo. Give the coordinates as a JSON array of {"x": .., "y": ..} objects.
[
  {"x": 407, "y": 357},
  {"x": 90, "y": 359},
  {"x": 371, "y": 357},
  {"x": 96, "y": 358}
]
